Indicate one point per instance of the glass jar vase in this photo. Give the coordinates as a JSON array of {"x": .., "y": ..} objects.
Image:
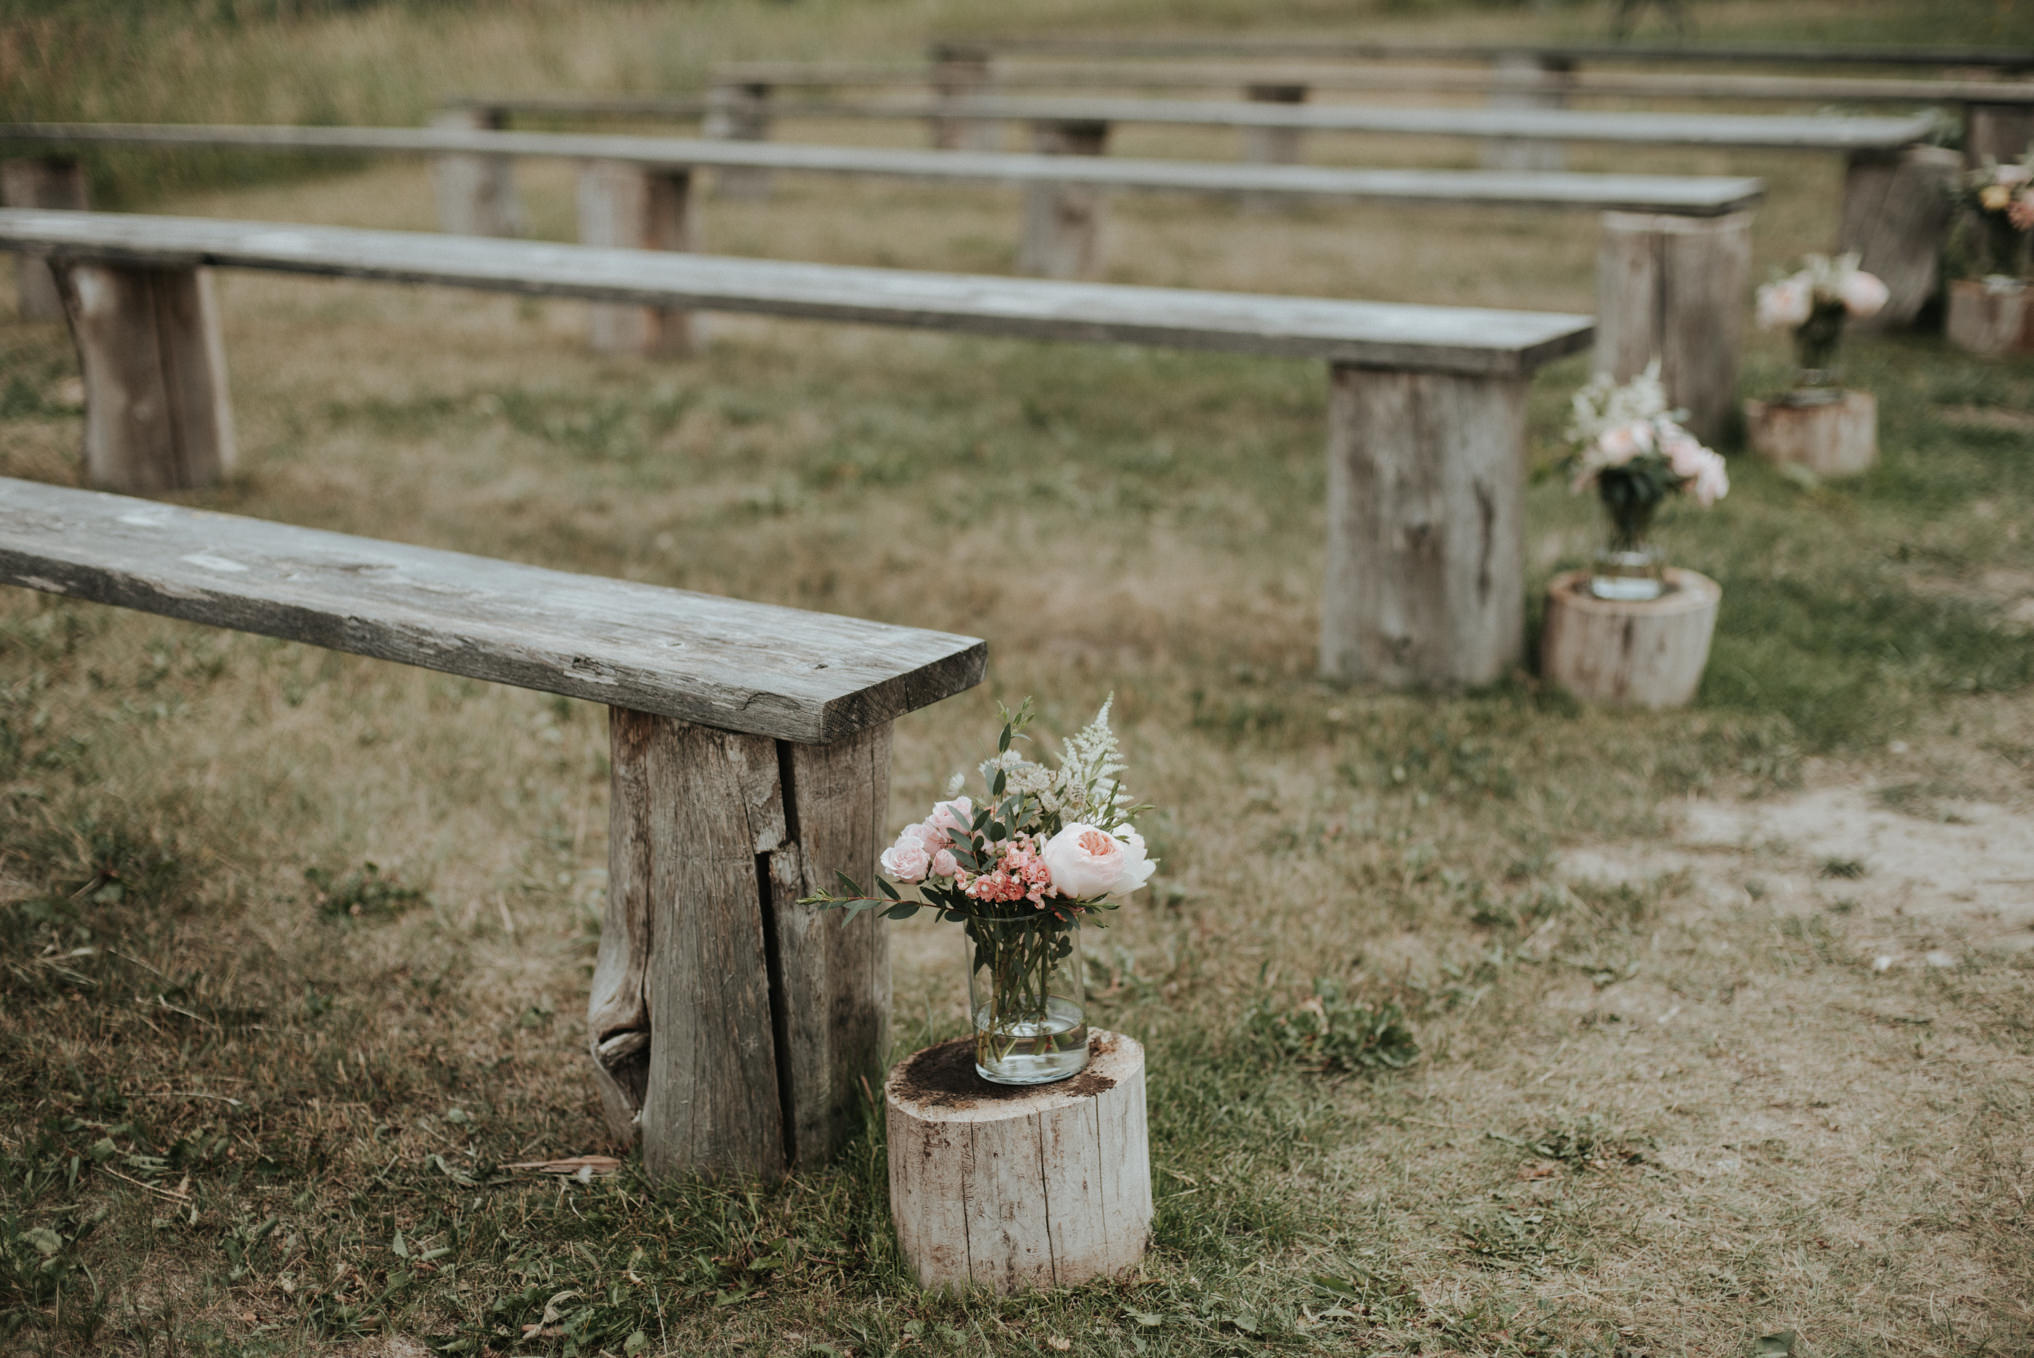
[
  {"x": 1025, "y": 999},
  {"x": 1628, "y": 569}
]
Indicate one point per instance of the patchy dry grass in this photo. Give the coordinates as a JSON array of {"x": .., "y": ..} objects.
[{"x": 1723, "y": 1017}]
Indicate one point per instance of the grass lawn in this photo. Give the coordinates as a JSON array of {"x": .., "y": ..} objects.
[{"x": 1725, "y": 1017}]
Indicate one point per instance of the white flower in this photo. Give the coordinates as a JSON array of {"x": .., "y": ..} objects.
[
  {"x": 1619, "y": 445},
  {"x": 1712, "y": 480},
  {"x": 1785, "y": 304},
  {"x": 1863, "y": 294},
  {"x": 1684, "y": 452},
  {"x": 908, "y": 859},
  {"x": 1088, "y": 863}
]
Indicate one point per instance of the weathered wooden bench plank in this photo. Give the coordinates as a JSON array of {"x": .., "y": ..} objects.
[
  {"x": 1341, "y": 48},
  {"x": 762, "y": 669},
  {"x": 1477, "y": 418},
  {"x": 730, "y": 1028}
]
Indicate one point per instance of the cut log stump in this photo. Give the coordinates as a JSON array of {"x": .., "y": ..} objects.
[
  {"x": 1629, "y": 654},
  {"x": 1011, "y": 1188},
  {"x": 1990, "y": 319},
  {"x": 41, "y": 181},
  {"x": 1829, "y": 438}
]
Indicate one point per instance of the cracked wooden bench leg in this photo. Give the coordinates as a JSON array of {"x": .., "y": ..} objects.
[
  {"x": 1675, "y": 288},
  {"x": 154, "y": 364},
  {"x": 638, "y": 207},
  {"x": 41, "y": 182},
  {"x": 476, "y": 194},
  {"x": 1426, "y": 560},
  {"x": 731, "y": 1028},
  {"x": 1526, "y": 81},
  {"x": 1063, "y": 222},
  {"x": 1897, "y": 211}
]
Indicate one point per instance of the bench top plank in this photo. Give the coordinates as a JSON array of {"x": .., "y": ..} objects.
[
  {"x": 1364, "y": 334},
  {"x": 1332, "y": 47},
  {"x": 1691, "y": 195},
  {"x": 761, "y": 669}
]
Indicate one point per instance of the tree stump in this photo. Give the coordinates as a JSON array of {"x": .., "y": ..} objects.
[
  {"x": 1829, "y": 438},
  {"x": 1522, "y": 80},
  {"x": 476, "y": 194},
  {"x": 1063, "y": 222},
  {"x": 45, "y": 182},
  {"x": 739, "y": 113},
  {"x": 1674, "y": 288},
  {"x": 1990, "y": 319},
  {"x": 1009, "y": 1187},
  {"x": 1896, "y": 215},
  {"x": 1623, "y": 653},
  {"x": 637, "y": 207}
]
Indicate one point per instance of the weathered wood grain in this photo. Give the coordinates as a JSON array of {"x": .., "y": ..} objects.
[
  {"x": 1829, "y": 438},
  {"x": 1013, "y": 1189},
  {"x": 1675, "y": 289},
  {"x": 1625, "y": 654},
  {"x": 157, "y": 416},
  {"x": 1988, "y": 319},
  {"x": 754, "y": 668},
  {"x": 1063, "y": 221},
  {"x": 476, "y": 193},
  {"x": 44, "y": 182},
  {"x": 1339, "y": 47},
  {"x": 640, "y": 208},
  {"x": 1426, "y": 558},
  {"x": 1697, "y": 195},
  {"x": 1447, "y": 339},
  {"x": 1896, "y": 215},
  {"x": 1996, "y": 129}
]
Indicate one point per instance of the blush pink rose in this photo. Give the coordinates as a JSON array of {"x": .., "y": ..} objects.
[
  {"x": 2021, "y": 213},
  {"x": 1619, "y": 445},
  {"x": 1684, "y": 453},
  {"x": 1712, "y": 480},
  {"x": 1863, "y": 294},
  {"x": 944, "y": 864},
  {"x": 908, "y": 859},
  {"x": 952, "y": 817},
  {"x": 1785, "y": 304},
  {"x": 1087, "y": 862}
]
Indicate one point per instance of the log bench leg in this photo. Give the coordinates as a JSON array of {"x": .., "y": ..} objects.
[
  {"x": 1675, "y": 288},
  {"x": 639, "y": 208},
  {"x": 1522, "y": 81},
  {"x": 476, "y": 194},
  {"x": 1426, "y": 558},
  {"x": 731, "y": 1028},
  {"x": 1896, "y": 215},
  {"x": 1063, "y": 222},
  {"x": 2000, "y": 132},
  {"x": 41, "y": 182},
  {"x": 1273, "y": 145},
  {"x": 955, "y": 78},
  {"x": 739, "y": 113},
  {"x": 154, "y": 364}
]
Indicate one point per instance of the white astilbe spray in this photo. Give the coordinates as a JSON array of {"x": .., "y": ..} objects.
[
  {"x": 1020, "y": 775},
  {"x": 1085, "y": 783},
  {"x": 1604, "y": 404}
]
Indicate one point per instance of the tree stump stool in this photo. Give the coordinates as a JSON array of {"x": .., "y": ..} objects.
[
  {"x": 1829, "y": 437},
  {"x": 1990, "y": 319},
  {"x": 1009, "y": 1187},
  {"x": 1623, "y": 653}
]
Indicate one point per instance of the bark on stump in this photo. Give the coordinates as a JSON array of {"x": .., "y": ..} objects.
[
  {"x": 41, "y": 182},
  {"x": 638, "y": 208},
  {"x": 1623, "y": 653},
  {"x": 476, "y": 194},
  {"x": 731, "y": 1027},
  {"x": 1829, "y": 438},
  {"x": 1013, "y": 1188},
  {"x": 1426, "y": 542},
  {"x": 154, "y": 364},
  {"x": 1897, "y": 210},
  {"x": 1989, "y": 320},
  {"x": 1673, "y": 288},
  {"x": 1063, "y": 222},
  {"x": 2001, "y": 132},
  {"x": 739, "y": 113},
  {"x": 1522, "y": 81}
]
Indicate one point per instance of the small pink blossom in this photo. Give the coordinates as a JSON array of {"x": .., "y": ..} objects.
[
  {"x": 2021, "y": 213},
  {"x": 1684, "y": 452},
  {"x": 1863, "y": 293},
  {"x": 1785, "y": 304},
  {"x": 1711, "y": 481},
  {"x": 1620, "y": 444},
  {"x": 1018, "y": 876},
  {"x": 949, "y": 818},
  {"x": 944, "y": 864}
]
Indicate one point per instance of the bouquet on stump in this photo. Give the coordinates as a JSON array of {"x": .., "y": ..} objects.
[
  {"x": 1629, "y": 445},
  {"x": 1814, "y": 301},
  {"x": 1019, "y": 872},
  {"x": 1992, "y": 313}
]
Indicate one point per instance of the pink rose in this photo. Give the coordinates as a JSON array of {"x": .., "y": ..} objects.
[
  {"x": 1712, "y": 480},
  {"x": 1785, "y": 304},
  {"x": 954, "y": 817},
  {"x": 2013, "y": 174},
  {"x": 1087, "y": 863},
  {"x": 944, "y": 864},
  {"x": 1863, "y": 294},
  {"x": 908, "y": 858},
  {"x": 1619, "y": 445},
  {"x": 1685, "y": 453}
]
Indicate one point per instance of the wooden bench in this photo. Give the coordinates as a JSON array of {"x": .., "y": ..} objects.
[
  {"x": 1673, "y": 263},
  {"x": 730, "y": 1027},
  {"x": 1426, "y": 410}
]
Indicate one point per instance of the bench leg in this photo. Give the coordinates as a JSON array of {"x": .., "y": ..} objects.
[
  {"x": 41, "y": 182},
  {"x": 1063, "y": 222},
  {"x": 1897, "y": 213},
  {"x": 1426, "y": 560},
  {"x": 1675, "y": 288},
  {"x": 962, "y": 78},
  {"x": 476, "y": 194},
  {"x": 739, "y": 113},
  {"x": 1522, "y": 81},
  {"x": 1273, "y": 145},
  {"x": 2000, "y": 132},
  {"x": 639, "y": 208},
  {"x": 156, "y": 414},
  {"x": 731, "y": 1027}
]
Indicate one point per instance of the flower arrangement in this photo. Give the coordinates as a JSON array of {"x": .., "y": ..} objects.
[
  {"x": 1813, "y": 302},
  {"x": 2000, "y": 197},
  {"x": 1629, "y": 445},
  {"x": 1044, "y": 850}
]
